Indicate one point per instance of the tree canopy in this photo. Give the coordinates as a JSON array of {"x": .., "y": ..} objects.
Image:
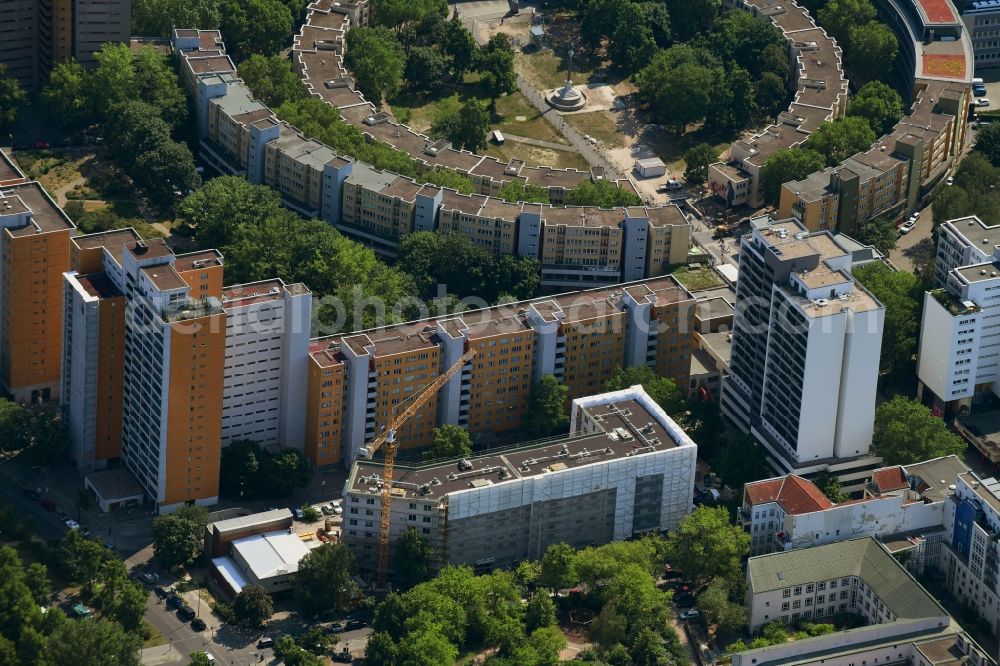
[
  {"x": 466, "y": 127},
  {"x": 450, "y": 441},
  {"x": 838, "y": 139},
  {"x": 413, "y": 559},
  {"x": 546, "y": 407},
  {"x": 696, "y": 161},
  {"x": 988, "y": 142},
  {"x": 880, "y": 105},
  {"x": 902, "y": 295},
  {"x": 601, "y": 193},
  {"x": 661, "y": 389},
  {"x": 252, "y": 607},
  {"x": 907, "y": 432},
  {"x": 11, "y": 96},
  {"x": 255, "y": 26},
  {"x": 707, "y": 545},
  {"x": 786, "y": 165},
  {"x": 157, "y": 18},
  {"x": 880, "y": 232},
  {"x": 178, "y": 537},
  {"x": 271, "y": 79},
  {"x": 376, "y": 60},
  {"x": 324, "y": 580},
  {"x": 976, "y": 191}
]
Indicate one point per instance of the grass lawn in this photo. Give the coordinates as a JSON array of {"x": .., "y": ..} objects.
[
  {"x": 544, "y": 69},
  {"x": 598, "y": 124},
  {"x": 534, "y": 126},
  {"x": 536, "y": 156},
  {"x": 154, "y": 636},
  {"x": 697, "y": 279},
  {"x": 53, "y": 168}
]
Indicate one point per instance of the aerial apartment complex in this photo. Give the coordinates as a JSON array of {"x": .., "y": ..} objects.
[
  {"x": 903, "y": 623},
  {"x": 625, "y": 469},
  {"x": 959, "y": 357},
  {"x": 37, "y": 34},
  {"x": 162, "y": 365},
  {"x": 581, "y": 338},
  {"x": 805, "y": 352},
  {"x": 889, "y": 179},
  {"x": 576, "y": 246},
  {"x": 34, "y": 251}
]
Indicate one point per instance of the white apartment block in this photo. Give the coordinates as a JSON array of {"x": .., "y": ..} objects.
[
  {"x": 267, "y": 353},
  {"x": 959, "y": 354},
  {"x": 904, "y": 624},
  {"x": 903, "y": 506},
  {"x": 805, "y": 352},
  {"x": 625, "y": 469}
]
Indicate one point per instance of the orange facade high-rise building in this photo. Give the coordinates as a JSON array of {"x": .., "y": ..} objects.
[{"x": 34, "y": 252}]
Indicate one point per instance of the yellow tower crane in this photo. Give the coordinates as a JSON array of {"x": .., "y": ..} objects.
[{"x": 387, "y": 438}]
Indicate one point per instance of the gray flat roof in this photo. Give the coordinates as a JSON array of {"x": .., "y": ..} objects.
[{"x": 254, "y": 519}]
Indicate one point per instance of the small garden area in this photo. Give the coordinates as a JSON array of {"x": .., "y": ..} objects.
[{"x": 696, "y": 279}]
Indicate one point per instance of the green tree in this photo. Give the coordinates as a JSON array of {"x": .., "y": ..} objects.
[
  {"x": 283, "y": 473},
  {"x": 113, "y": 81},
  {"x": 36, "y": 577},
  {"x": 880, "y": 232},
  {"x": 120, "y": 598},
  {"x": 466, "y": 128},
  {"x": 80, "y": 559},
  {"x": 679, "y": 95},
  {"x": 690, "y": 17},
  {"x": 380, "y": 650},
  {"x": 873, "y": 49},
  {"x": 546, "y": 407},
  {"x": 515, "y": 277},
  {"x": 741, "y": 460},
  {"x": 988, "y": 142},
  {"x": 661, "y": 389},
  {"x": 177, "y": 541},
  {"x": 495, "y": 64},
  {"x": 426, "y": 648},
  {"x": 449, "y": 259},
  {"x": 715, "y": 603},
  {"x": 414, "y": 558},
  {"x": 558, "y": 567},
  {"x": 254, "y": 26},
  {"x": 735, "y": 108},
  {"x": 830, "y": 487},
  {"x": 376, "y": 60},
  {"x": 450, "y": 441},
  {"x": 707, "y": 545},
  {"x": 838, "y": 139},
  {"x": 696, "y": 161},
  {"x": 460, "y": 47},
  {"x": 515, "y": 191},
  {"x": 156, "y": 18},
  {"x": 838, "y": 17},
  {"x": 880, "y": 105},
  {"x": 602, "y": 193},
  {"x": 93, "y": 642},
  {"x": 901, "y": 294},
  {"x": 541, "y": 611},
  {"x": 324, "y": 579},
  {"x": 134, "y": 129},
  {"x": 199, "y": 658},
  {"x": 239, "y": 465},
  {"x": 907, "y": 432},
  {"x": 459, "y": 182},
  {"x": 65, "y": 98},
  {"x": 167, "y": 170},
  {"x": 252, "y": 607},
  {"x": 157, "y": 83},
  {"x": 632, "y": 44},
  {"x": 271, "y": 79},
  {"x": 397, "y": 13},
  {"x": 786, "y": 165},
  {"x": 425, "y": 68},
  {"x": 11, "y": 96},
  {"x": 15, "y": 433},
  {"x": 770, "y": 94}
]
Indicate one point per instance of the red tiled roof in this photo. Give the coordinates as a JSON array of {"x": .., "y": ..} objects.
[
  {"x": 794, "y": 494},
  {"x": 890, "y": 478}
]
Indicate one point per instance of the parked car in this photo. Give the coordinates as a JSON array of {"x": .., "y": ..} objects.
[
  {"x": 41, "y": 145},
  {"x": 684, "y": 600},
  {"x": 161, "y": 592},
  {"x": 908, "y": 226},
  {"x": 690, "y": 614},
  {"x": 150, "y": 578},
  {"x": 337, "y": 510},
  {"x": 72, "y": 524},
  {"x": 336, "y": 628},
  {"x": 265, "y": 643},
  {"x": 327, "y": 509},
  {"x": 186, "y": 613},
  {"x": 299, "y": 514},
  {"x": 174, "y": 601},
  {"x": 33, "y": 495},
  {"x": 48, "y": 505},
  {"x": 354, "y": 623},
  {"x": 343, "y": 657},
  {"x": 198, "y": 624},
  {"x": 81, "y": 611},
  {"x": 950, "y": 181},
  {"x": 983, "y": 101}
]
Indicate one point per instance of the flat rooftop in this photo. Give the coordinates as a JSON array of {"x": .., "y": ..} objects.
[
  {"x": 8, "y": 170},
  {"x": 98, "y": 285},
  {"x": 46, "y": 216},
  {"x": 164, "y": 277},
  {"x": 193, "y": 261},
  {"x": 629, "y": 429},
  {"x": 272, "y": 554},
  {"x": 113, "y": 241},
  {"x": 241, "y": 295}
]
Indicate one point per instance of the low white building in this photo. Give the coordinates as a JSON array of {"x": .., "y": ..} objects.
[
  {"x": 268, "y": 560},
  {"x": 904, "y": 624},
  {"x": 625, "y": 469}
]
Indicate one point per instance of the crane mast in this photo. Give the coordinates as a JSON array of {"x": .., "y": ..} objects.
[{"x": 387, "y": 439}]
